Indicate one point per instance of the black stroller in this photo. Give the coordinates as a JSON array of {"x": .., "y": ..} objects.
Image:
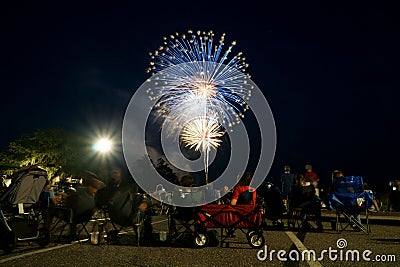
[
  {"x": 19, "y": 213},
  {"x": 273, "y": 206},
  {"x": 304, "y": 209}
]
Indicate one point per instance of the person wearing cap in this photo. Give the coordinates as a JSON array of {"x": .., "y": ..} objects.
[
  {"x": 84, "y": 198},
  {"x": 80, "y": 205},
  {"x": 287, "y": 181}
]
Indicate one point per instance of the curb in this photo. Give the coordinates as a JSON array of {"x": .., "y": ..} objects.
[{"x": 383, "y": 218}]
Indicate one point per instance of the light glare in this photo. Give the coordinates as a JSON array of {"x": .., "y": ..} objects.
[{"x": 103, "y": 145}]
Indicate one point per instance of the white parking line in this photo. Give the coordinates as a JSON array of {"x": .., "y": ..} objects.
[
  {"x": 34, "y": 252},
  {"x": 300, "y": 246},
  {"x": 55, "y": 247},
  {"x": 160, "y": 221}
]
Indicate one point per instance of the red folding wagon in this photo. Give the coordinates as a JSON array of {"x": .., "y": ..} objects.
[{"x": 228, "y": 218}]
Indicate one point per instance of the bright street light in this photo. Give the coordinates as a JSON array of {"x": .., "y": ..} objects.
[{"x": 103, "y": 145}]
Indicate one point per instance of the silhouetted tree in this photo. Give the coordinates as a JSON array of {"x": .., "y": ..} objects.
[
  {"x": 165, "y": 171},
  {"x": 50, "y": 146}
]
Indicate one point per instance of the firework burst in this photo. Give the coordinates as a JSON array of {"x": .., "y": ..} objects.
[
  {"x": 195, "y": 46},
  {"x": 202, "y": 88},
  {"x": 202, "y": 133},
  {"x": 208, "y": 77}
]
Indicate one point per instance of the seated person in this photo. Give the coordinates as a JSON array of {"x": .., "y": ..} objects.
[
  {"x": 182, "y": 197},
  {"x": 304, "y": 198},
  {"x": 84, "y": 198},
  {"x": 120, "y": 183},
  {"x": 243, "y": 193},
  {"x": 211, "y": 194},
  {"x": 80, "y": 205},
  {"x": 303, "y": 192},
  {"x": 46, "y": 201},
  {"x": 335, "y": 174},
  {"x": 116, "y": 183},
  {"x": 226, "y": 195},
  {"x": 375, "y": 206},
  {"x": 123, "y": 201}
]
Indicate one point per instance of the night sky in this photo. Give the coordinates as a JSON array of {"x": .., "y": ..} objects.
[{"x": 329, "y": 72}]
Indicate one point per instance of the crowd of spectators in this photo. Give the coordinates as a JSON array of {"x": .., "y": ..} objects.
[{"x": 92, "y": 192}]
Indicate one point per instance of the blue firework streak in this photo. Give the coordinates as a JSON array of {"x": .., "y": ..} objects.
[
  {"x": 208, "y": 84},
  {"x": 193, "y": 47}
]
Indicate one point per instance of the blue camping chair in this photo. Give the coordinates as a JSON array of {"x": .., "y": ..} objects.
[{"x": 349, "y": 199}]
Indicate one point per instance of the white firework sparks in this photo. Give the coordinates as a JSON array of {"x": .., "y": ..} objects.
[
  {"x": 202, "y": 133},
  {"x": 207, "y": 75}
]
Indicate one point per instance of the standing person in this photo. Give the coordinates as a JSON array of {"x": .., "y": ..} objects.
[
  {"x": 312, "y": 177},
  {"x": 287, "y": 181}
]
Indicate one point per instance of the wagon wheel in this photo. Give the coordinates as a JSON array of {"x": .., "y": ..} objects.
[
  {"x": 256, "y": 239},
  {"x": 249, "y": 233},
  {"x": 44, "y": 237},
  {"x": 201, "y": 240}
]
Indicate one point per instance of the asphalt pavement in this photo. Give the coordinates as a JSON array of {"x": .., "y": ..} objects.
[{"x": 283, "y": 248}]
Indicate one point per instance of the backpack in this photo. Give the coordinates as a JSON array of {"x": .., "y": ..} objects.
[{"x": 245, "y": 197}]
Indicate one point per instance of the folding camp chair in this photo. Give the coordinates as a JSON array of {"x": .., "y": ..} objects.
[
  {"x": 124, "y": 213},
  {"x": 77, "y": 211},
  {"x": 350, "y": 200},
  {"x": 66, "y": 217},
  {"x": 182, "y": 220},
  {"x": 304, "y": 209}
]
